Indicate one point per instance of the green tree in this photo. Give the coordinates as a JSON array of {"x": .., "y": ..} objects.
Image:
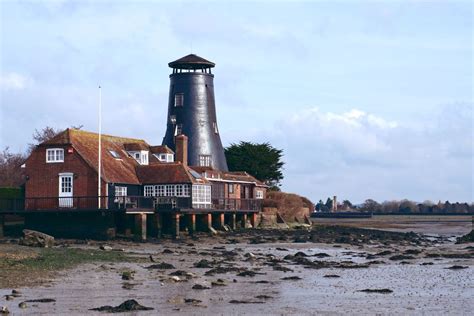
[{"x": 262, "y": 161}]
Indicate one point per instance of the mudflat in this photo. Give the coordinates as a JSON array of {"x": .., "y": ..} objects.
[{"x": 307, "y": 271}]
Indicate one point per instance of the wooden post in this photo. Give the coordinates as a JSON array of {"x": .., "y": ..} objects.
[
  {"x": 233, "y": 221},
  {"x": 209, "y": 221},
  {"x": 253, "y": 220},
  {"x": 140, "y": 226},
  {"x": 175, "y": 225},
  {"x": 244, "y": 220},
  {"x": 191, "y": 223},
  {"x": 2, "y": 226}
]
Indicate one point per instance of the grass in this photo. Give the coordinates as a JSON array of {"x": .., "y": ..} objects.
[
  {"x": 44, "y": 264},
  {"x": 63, "y": 258}
]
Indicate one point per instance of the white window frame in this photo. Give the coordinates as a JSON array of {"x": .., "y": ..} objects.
[
  {"x": 148, "y": 190},
  {"x": 178, "y": 99},
  {"x": 120, "y": 190},
  {"x": 231, "y": 188},
  {"x": 144, "y": 157},
  {"x": 201, "y": 196},
  {"x": 205, "y": 160},
  {"x": 259, "y": 194},
  {"x": 54, "y": 155}
]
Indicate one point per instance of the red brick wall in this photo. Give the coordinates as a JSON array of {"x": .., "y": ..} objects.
[{"x": 43, "y": 177}]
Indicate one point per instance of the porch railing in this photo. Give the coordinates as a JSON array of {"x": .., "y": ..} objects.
[{"x": 124, "y": 203}]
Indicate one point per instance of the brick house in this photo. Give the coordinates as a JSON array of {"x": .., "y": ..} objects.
[{"x": 62, "y": 173}]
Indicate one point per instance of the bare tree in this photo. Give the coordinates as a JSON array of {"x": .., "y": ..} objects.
[
  {"x": 10, "y": 168},
  {"x": 44, "y": 135}
]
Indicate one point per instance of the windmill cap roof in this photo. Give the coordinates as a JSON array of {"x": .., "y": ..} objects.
[{"x": 191, "y": 61}]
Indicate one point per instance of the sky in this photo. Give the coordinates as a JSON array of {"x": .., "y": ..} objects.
[{"x": 367, "y": 99}]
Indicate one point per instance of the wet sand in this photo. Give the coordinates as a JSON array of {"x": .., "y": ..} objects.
[{"x": 420, "y": 282}]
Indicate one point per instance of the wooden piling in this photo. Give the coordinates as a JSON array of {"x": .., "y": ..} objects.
[{"x": 140, "y": 226}]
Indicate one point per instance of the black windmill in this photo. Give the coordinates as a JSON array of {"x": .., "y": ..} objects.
[{"x": 192, "y": 112}]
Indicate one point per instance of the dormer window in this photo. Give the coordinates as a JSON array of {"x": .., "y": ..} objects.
[
  {"x": 54, "y": 155},
  {"x": 178, "y": 99},
  {"x": 165, "y": 157},
  {"x": 140, "y": 156}
]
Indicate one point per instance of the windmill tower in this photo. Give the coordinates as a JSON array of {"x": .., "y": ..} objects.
[{"x": 192, "y": 112}]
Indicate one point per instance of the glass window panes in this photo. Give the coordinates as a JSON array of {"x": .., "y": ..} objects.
[
  {"x": 178, "y": 99},
  {"x": 205, "y": 160},
  {"x": 120, "y": 191},
  {"x": 55, "y": 155},
  {"x": 114, "y": 154}
]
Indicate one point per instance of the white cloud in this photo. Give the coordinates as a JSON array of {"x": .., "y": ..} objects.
[
  {"x": 14, "y": 81},
  {"x": 359, "y": 155}
]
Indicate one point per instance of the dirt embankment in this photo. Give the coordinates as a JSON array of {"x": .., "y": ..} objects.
[{"x": 290, "y": 206}]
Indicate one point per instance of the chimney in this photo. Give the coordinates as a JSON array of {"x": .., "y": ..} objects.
[
  {"x": 334, "y": 204},
  {"x": 182, "y": 149}
]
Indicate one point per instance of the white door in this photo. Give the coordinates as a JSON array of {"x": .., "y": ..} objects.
[{"x": 65, "y": 190}]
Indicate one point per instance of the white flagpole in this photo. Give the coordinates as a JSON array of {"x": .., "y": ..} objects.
[{"x": 100, "y": 145}]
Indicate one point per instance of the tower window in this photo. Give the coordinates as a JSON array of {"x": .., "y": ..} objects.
[
  {"x": 178, "y": 130},
  {"x": 204, "y": 160},
  {"x": 178, "y": 99},
  {"x": 173, "y": 119}
]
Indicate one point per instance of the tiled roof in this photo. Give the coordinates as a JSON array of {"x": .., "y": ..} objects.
[
  {"x": 161, "y": 150},
  {"x": 191, "y": 61},
  {"x": 137, "y": 146},
  {"x": 87, "y": 143},
  {"x": 240, "y": 176},
  {"x": 166, "y": 173}
]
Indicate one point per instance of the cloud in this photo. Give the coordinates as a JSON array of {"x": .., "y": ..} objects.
[
  {"x": 14, "y": 81},
  {"x": 359, "y": 155}
]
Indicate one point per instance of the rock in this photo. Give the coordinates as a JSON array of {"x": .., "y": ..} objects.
[
  {"x": 245, "y": 302},
  {"x": 248, "y": 273},
  {"x": 32, "y": 238},
  {"x": 249, "y": 255},
  {"x": 321, "y": 255},
  {"x": 167, "y": 251},
  {"x": 22, "y": 305},
  {"x": 401, "y": 257},
  {"x": 127, "y": 306},
  {"x": 282, "y": 268},
  {"x": 212, "y": 231},
  {"x": 16, "y": 293},
  {"x": 176, "y": 300},
  {"x": 161, "y": 266},
  {"x": 263, "y": 297},
  {"x": 192, "y": 301},
  {"x": 201, "y": 286},
  {"x": 9, "y": 297},
  {"x": 127, "y": 275},
  {"x": 175, "y": 278},
  {"x": 332, "y": 276},
  {"x": 42, "y": 300},
  {"x": 381, "y": 291},
  {"x": 4, "y": 310},
  {"x": 185, "y": 274},
  {"x": 218, "y": 282},
  {"x": 203, "y": 264},
  {"x": 106, "y": 248},
  {"x": 291, "y": 278},
  {"x": 457, "y": 267},
  {"x": 300, "y": 254},
  {"x": 128, "y": 286},
  {"x": 281, "y": 249}
]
